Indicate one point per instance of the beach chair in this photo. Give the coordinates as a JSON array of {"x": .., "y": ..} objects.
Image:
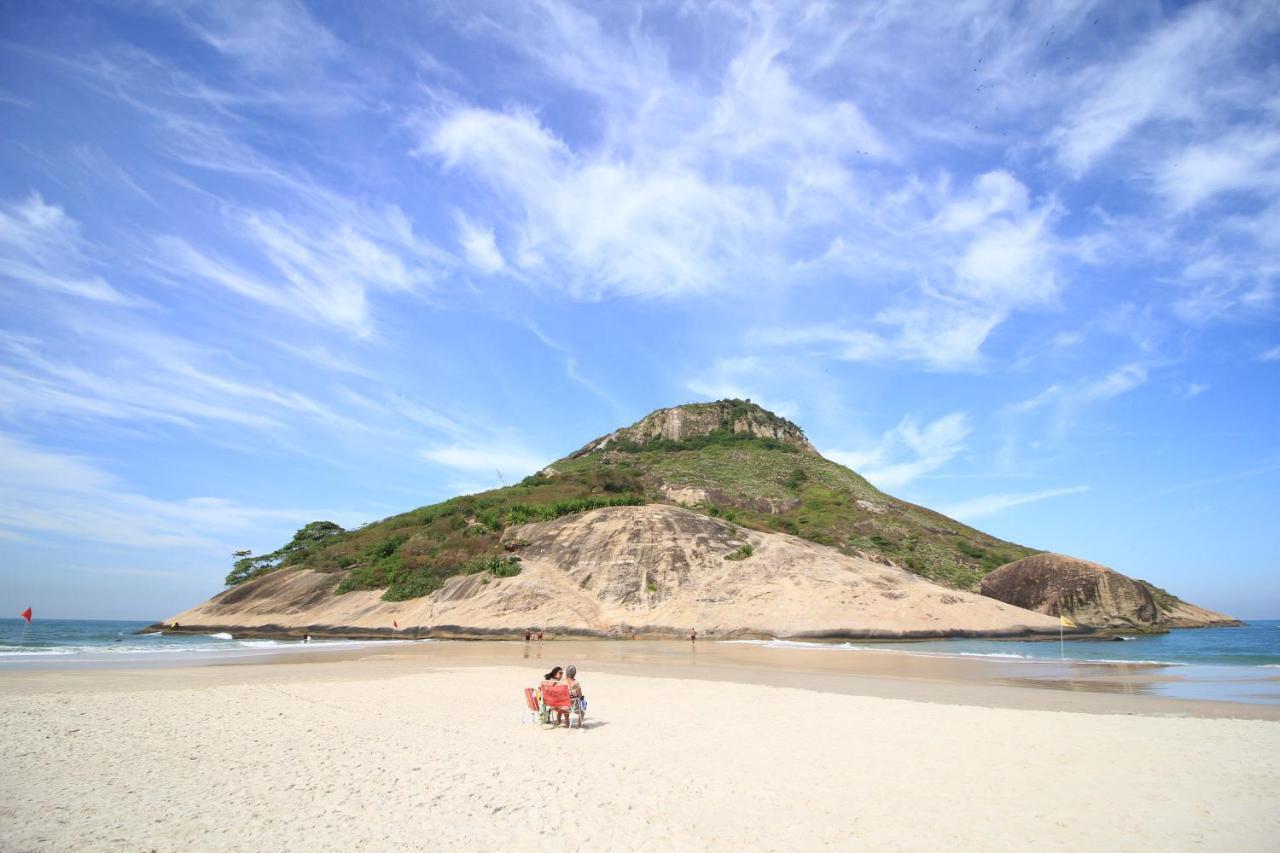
[
  {"x": 533, "y": 706},
  {"x": 556, "y": 698}
]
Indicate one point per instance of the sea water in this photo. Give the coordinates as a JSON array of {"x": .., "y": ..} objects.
[
  {"x": 71, "y": 641},
  {"x": 1255, "y": 643},
  {"x": 1239, "y": 664}
]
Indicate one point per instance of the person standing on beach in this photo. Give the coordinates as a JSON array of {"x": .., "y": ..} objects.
[{"x": 693, "y": 635}]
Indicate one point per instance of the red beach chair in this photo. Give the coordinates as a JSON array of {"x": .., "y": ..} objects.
[
  {"x": 556, "y": 698},
  {"x": 532, "y": 708}
]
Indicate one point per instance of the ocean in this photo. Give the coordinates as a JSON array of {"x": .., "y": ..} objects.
[
  {"x": 1256, "y": 644},
  {"x": 74, "y": 642}
]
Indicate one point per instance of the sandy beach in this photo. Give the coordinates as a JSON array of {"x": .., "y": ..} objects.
[{"x": 424, "y": 747}]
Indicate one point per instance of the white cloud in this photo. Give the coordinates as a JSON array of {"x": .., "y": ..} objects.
[
  {"x": 513, "y": 463},
  {"x": 597, "y": 224},
  {"x": 741, "y": 378},
  {"x": 1272, "y": 354},
  {"x": 988, "y": 505},
  {"x": 979, "y": 255},
  {"x": 940, "y": 335},
  {"x": 1010, "y": 265},
  {"x": 41, "y": 246},
  {"x": 265, "y": 36},
  {"x": 1119, "y": 381},
  {"x": 1045, "y": 397},
  {"x": 1064, "y": 340},
  {"x": 1193, "y": 389},
  {"x": 1162, "y": 78},
  {"x": 152, "y": 378},
  {"x": 908, "y": 451},
  {"x": 47, "y": 492},
  {"x": 1239, "y": 160},
  {"x": 993, "y": 194},
  {"x": 571, "y": 367},
  {"x": 324, "y": 273},
  {"x": 691, "y": 183},
  {"x": 480, "y": 246}
]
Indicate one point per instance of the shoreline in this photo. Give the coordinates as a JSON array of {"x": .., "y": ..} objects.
[
  {"x": 621, "y": 633},
  {"x": 1142, "y": 688}
]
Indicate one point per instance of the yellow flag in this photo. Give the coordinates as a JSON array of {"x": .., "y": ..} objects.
[{"x": 1066, "y": 623}]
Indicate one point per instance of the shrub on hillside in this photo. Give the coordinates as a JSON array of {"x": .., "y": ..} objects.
[{"x": 303, "y": 543}]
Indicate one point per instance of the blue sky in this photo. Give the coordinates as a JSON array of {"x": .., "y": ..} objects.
[{"x": 264, "y": 263}]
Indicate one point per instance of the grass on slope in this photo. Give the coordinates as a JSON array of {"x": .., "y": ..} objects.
[
  {"x": 757, "y": 483},
  {"x": 413, "y": 554},
  {"x": 770, "y": 489}
]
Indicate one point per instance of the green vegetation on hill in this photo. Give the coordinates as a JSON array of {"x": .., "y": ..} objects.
[
  {"x": 248, "y": 567},
  {"x": 413, "y": 554},
  {"x": 757, "y": 482},
  {"x": 1164, "y": 599},
  {"x": 814, "y": 498}
]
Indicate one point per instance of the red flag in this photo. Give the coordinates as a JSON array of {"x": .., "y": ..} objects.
[
  {"x": 26, "y": 614},
  {"x": 395, "y": 623}
]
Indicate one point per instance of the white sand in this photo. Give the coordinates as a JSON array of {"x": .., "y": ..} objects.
[{"x": 335, "y": 756}]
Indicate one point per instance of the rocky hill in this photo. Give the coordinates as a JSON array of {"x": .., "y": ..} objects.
[
  {"x": 1093, "y": 596},
  {"x": 629, "y": 572},
  {"x": 700, "y": 422},
  {"x": 669, "y": 490}
]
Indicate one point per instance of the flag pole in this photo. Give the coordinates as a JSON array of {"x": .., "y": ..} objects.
[
  {"x": 1062, "y": 646},
  {"x": 26, "y": 620}
]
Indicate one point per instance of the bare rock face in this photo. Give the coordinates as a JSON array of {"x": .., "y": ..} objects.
[
  {"x": 1182, "y": 614},
  {"x": 1089, "y": 594},
  {"x": 642, "y": 571},
  {"x": 680, "y": 423}
]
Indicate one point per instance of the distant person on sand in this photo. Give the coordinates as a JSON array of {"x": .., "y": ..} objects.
[
  {"x": 575, "y": 693},
  {"x": 693, "y": 635},
  {"x": 539, "y": 636},
  {"x": 552, "y": 679},
  {"x": 527, "y": 635}
]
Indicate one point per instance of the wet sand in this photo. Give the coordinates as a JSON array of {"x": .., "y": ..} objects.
[{"x": 1110, "y": 688}]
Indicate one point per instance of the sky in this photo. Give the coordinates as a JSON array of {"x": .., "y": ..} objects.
[{"x": 264, "y": 263}]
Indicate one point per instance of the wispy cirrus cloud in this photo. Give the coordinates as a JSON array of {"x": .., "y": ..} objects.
[
  {"x": 46, "y": 492},
  {"x": 909, "y": 450},
  {"x": 744, "y": 378},
  {"x": 153, "y": 378},
  {"x": 326, "y": 274},
  {"x": 1120, "y": 381},
  {"x": 497, "y": 465},
  {"x": 41, "y": 247},
  {"x": 1156, "y": 80},
  {"x": 978, "y": 256},
  {"x": 989, "y": 505}
]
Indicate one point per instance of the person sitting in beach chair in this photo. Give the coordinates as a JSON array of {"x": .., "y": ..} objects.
[
  {"x": 576, "y": 695},
  {"x": 552, "y": 682},
  {"x": 556, "y": 698}
]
